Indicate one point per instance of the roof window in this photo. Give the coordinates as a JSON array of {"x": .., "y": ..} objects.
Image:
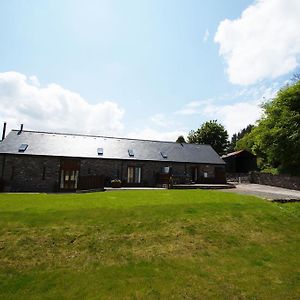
[
  {"x": 130, "y": 153},
  {"x": 100, "y": 151},
  {"x": 23, "y": 147},
  {"x": 164, "y": 154}
]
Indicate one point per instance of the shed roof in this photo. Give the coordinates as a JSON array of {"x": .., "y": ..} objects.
[
  {"x": 89, "y": 146},
  {"x": 237, "y": 153}
]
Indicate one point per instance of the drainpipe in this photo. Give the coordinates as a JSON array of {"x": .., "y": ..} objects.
[
  {"x": 121, "y": 175},
  {"x": 3, "y": 158}
]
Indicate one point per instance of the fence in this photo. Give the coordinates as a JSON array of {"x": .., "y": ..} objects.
[{"x": 238, "y": 177}]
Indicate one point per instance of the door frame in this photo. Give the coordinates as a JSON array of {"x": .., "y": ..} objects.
[{"x": 72, "y": 168}]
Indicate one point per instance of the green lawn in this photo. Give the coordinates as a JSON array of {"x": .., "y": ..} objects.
[{"x": 148, "y": 245}]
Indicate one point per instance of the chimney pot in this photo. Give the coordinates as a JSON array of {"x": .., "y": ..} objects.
[
  {"x": 21, "y": 129},
  {"x": 4, "y": 131}
]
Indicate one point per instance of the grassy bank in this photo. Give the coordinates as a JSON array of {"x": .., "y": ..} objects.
[{"x": 148, "y": 245}]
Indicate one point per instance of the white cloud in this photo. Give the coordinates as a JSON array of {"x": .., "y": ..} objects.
[
  {"x": 205, "y": 36},
  {"x": 166, "y": 122},
  {"x": 263, "y": 43},
  {"x": 53, "y": 108},
  {"x": 34, "y": 80},
  {"x": 194, "y": 107},
  {"x": 160, "y": 120},
  {"x": 233, "y": 116},
  {"x": 158, "y": 135},
  {"x": 237, "y": 115}
]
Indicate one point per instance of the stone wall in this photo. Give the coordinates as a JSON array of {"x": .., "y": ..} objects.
[
  {"x": 42, "y": 173},
  {"x": 28, "y": 174},
  {"x": 117, "y": 169},
  {"x": 289, "y": 182}
]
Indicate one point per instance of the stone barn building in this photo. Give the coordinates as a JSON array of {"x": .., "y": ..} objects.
[{"x": 57, "y": 162}]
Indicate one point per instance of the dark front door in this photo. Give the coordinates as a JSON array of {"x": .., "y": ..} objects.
[
  {"x": 220, "y": 175},
  {"x": 69, "y": 174},
  {"x": 194, "y": 174}
]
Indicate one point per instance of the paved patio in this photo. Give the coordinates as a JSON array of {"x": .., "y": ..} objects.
[
  {"x": 109, "y": 189},
  {"x": 205, "y": 186},
  {"x": 265, "y": 191}
]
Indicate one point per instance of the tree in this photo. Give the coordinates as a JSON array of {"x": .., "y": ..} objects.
[
  {"x": 296, "y": 77},
  {"x": 237, "y": 136},
  {"x": 232, "y": 144},
  {"x": 192, "y": 137},
  {"x": 211, "y": 133},
  {"x": 276, "y": 139},
  {"x": 180, "y": 139},
  {"x": 247, "y": 142}
]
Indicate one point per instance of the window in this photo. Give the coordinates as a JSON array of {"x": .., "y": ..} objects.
[
  {"x": 69, "y": 179},
  {"x": 23, "y": 147},
  {"x": 100, "y": 151},
  {"x": 166, "y": 170},
  {"x": 62, "y": 179},
  {"x": 134, "y": 175},
  {"x": 164, "y": 154},
  {"x": 130, "y": 152}
]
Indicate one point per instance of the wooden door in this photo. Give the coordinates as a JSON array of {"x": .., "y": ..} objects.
[{"x": 69, "y": 174}]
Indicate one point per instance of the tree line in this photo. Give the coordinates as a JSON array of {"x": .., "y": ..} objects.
[{"x": 274, "y": 139}]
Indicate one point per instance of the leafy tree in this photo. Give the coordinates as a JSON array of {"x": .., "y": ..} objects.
[
  {"x": 276, "y": 139},
  {"x": 180, "y": 139},
  {"x": 246, "y": 142},
  {"x": 211, "y": 133},
  {"x": 237, "y": 136},
  {"x": 296, "y": 77},
  {"x": 192, "y": 137},
  {"x": 232, "y": 144}
]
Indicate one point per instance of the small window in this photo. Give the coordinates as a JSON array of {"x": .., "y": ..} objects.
[
  {"x": 12, "y": 174},
  {"x": 130, "y": 153},
  {"x": 100, "y": 151},
  {"x": 62, "y": 179},
  {"x": 165, "y": 170},
  {"x": 164, "y": 154},
  {"x": 44, "y": 173},
  {"x": 23, "y": 147}
]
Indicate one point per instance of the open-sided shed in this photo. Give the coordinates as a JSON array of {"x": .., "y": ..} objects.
[{"x": 241, "y": 161}]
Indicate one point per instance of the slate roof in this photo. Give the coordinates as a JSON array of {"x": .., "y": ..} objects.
[{"x": 85, "y": 146}]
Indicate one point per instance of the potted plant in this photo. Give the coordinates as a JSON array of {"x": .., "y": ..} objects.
[{"x": 116, "y": 183}]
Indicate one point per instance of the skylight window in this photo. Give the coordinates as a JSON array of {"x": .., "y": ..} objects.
[
  {"x": 130, "y": 152},
  {"x": 23, "y": 147},
  {"x": 100, "y": 151},
  {"x": 164, "y": 154}
]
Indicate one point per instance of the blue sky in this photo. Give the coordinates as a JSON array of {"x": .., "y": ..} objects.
[{"x": 147, "y": 69}]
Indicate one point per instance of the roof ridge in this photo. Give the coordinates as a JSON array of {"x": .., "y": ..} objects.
[{"x": 103, "y": 136}]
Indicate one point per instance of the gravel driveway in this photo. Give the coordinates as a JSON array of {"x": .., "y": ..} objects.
[{"x": 265, "y": 191}]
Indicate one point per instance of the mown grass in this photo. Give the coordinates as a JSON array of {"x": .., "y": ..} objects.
[{"x": 148, "y": 245}]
